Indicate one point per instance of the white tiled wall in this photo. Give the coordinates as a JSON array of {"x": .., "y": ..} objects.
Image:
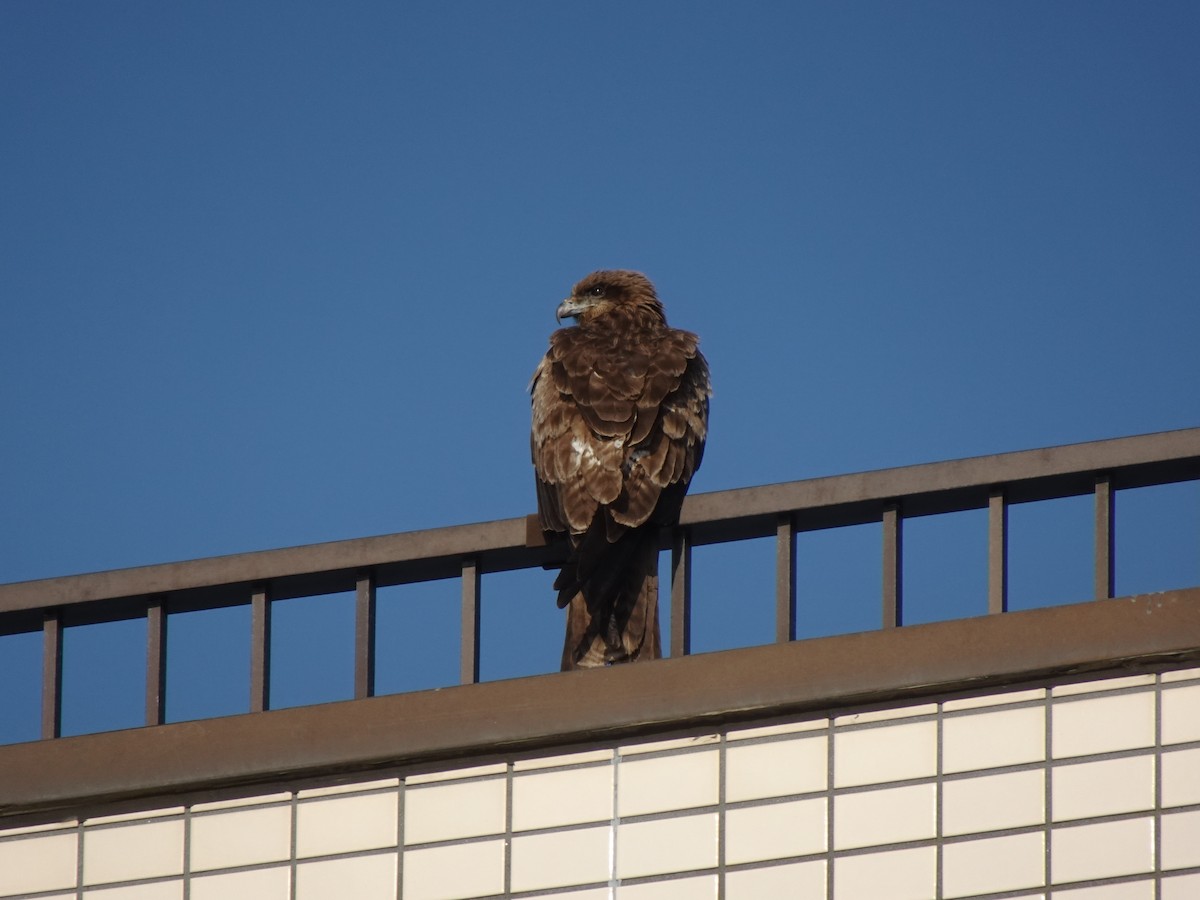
[{"x": 1088, "y": 791}]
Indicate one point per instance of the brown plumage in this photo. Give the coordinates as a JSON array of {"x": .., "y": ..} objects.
[{"x": 620, "y": 414}]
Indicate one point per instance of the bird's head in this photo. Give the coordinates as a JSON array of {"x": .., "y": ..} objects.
[{"x": 605, "y": 291}]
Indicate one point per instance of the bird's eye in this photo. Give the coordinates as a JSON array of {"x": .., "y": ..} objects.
[{"x": 597, "y": 291}]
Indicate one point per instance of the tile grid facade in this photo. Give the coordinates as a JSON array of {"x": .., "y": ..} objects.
[{"x": 1086, "y": 791}]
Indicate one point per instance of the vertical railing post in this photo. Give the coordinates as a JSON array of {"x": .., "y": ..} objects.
[
  {"x": 1104, "y": 537},
  {"x": 52, "y": 673},
  {"x": 997, "y": 551},
  {"x": 893, "y": 580},
  {"x": 469, "y": 654},
  {"x": 364, "y": 636},
  {"x": 681, "y": 593},
  {"x": 785, "y": 579},
  {"x": 156, "y": 670},
  {"x": 260, "y": 649}
]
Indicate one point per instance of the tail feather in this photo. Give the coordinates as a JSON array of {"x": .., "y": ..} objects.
[
  {"x": 618, "y": 622},
  {"x": 597, "y": 565}
]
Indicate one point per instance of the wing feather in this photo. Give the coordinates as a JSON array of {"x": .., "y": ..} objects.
[{"x": 613, "y": 429}]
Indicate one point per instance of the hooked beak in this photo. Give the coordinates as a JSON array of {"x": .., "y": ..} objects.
[{"x": 571, "y": 308}]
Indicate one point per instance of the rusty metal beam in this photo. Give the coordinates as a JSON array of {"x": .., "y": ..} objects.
[
  {"x": 593, "y": 707},
  {"x": 1104, "y": 537},
  {"x": 893, "y": 565},
  {"x": 785, "y": 580},
  {"x": 260, "y": 649},
  {"x": 156, "y": 661},
  {"x": 997, "y": 551},
  {"x": 681, "y": 594},
  {"x": 364, "y": 636},
  {"x": 469, "y": 653},
  {"x": 52, "y": 640}
]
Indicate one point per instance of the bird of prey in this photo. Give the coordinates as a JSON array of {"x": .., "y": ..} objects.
[{"x": 620, "y": 415}]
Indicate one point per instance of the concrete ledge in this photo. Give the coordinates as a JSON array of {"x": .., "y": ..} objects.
[{"x": 598, "y": 706}]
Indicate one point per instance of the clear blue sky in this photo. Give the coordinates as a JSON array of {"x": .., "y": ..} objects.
[{"x": 278, "y": 272}]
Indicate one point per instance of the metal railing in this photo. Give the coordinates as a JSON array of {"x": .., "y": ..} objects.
[{"x": 468, "y": 551}]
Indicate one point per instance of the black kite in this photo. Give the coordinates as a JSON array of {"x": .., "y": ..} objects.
[{"x": 620, "y": 414}]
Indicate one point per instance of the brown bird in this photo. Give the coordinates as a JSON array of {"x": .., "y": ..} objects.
[{"x": 620, "y": 414}]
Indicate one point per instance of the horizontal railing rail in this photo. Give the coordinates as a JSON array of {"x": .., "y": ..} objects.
[{"x": 363, "y": 565}]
